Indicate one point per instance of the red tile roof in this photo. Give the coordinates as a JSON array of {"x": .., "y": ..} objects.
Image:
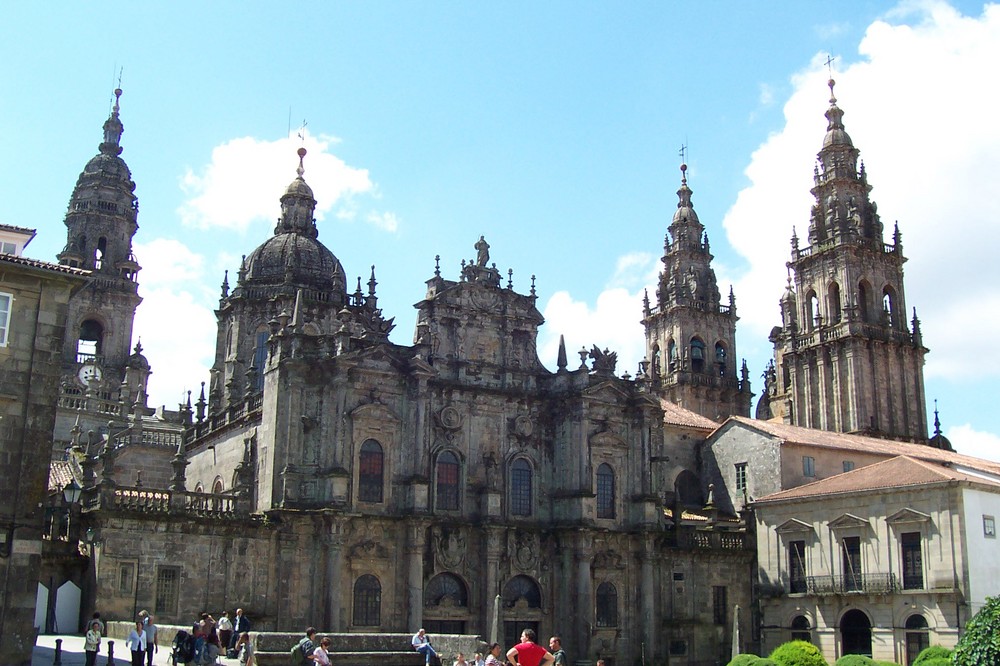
[
  {"x": 898, "y": 472},
  {"x": 789, "y": 434},
  {"x": 44, "y": 265},
  {"x": 60, "y": 474},
  {"x": 676, "y": 415}
]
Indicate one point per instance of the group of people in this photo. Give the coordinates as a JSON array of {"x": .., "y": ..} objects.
[
  {"x": 308, "y": 652},
  {"x": 209, "y": 638},
  {"x": 141, "y": 640},
  {"x": 525, "y": 653}
]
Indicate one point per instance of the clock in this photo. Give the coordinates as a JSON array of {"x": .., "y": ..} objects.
[{"x": 89, "y": 374}]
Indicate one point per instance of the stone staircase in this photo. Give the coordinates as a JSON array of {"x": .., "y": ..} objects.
[{"x": 272, "y": 648}]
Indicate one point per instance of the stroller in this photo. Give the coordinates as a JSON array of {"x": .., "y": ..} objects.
[{"x": 182, "y": 649}]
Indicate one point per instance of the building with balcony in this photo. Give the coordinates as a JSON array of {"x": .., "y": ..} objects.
[{"x": 883, "y": 560}]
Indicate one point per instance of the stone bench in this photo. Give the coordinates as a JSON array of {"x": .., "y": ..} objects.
[{"x": 272, "y": 648}]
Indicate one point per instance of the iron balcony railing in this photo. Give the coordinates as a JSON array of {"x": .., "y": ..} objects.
[{"x": 877, "y": 583}]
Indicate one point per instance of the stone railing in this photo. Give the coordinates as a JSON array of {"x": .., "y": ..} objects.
[
  {"x": 144, "y": 500},
  {"x": 271, "y": 648},
  {"x": 139, "y": 499},
  {"x": 701, "y": 539},
  {"x": 250, "y": 407}
]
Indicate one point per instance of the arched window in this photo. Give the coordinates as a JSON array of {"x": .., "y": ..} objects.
[
  {"x": 607, "y": 605},
  {"x": 367, "y": 601},
  {"x": 102, "y": 249},
  {"x": 864, "y": 301},
  {"x": 812, "y": 310},
  {"x": 856, "y": 633},
  {"x": 672, "y": 356},
  {"x": 370, "y": 472},
  {"x": 720, "y": 358},
  {"x": 260, "y": 359},
  {"x": 656, "y": 361},
  {"x": 833, "y": 305},
  {"x": 91, "y": 340},
  {"x": 801, "y": 629},
  {"x": 217, "y": 487},
  {"x": 697, "y": 355},
  {"x": 687, "y": 487},
  {"x": 446, "y": 589},
  {"x": 605, "y": 491},
  {"x": 446, "y": 477},
  {"x": 521, "y": 587},
  {"x": 520, "y": 488},
  {"x": 890, "y": 308},
  {"x": 917, "y": 638}
]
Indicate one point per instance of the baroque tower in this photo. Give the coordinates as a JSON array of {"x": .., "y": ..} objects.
[
  {"x": 845, "y": 357},
  {"x": 98, "y": 370},
  {"x": 690, "y": 334}
]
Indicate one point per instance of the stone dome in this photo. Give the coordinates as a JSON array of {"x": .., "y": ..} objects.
[{"x": 295, "y": 258}]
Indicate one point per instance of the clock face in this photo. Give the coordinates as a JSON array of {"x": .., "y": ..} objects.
[{"x": 89, "y": 374}]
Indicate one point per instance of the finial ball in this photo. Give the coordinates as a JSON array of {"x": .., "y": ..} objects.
[
  {"x": 684, "y": 167},
  {"x": 302, "y": 152}
]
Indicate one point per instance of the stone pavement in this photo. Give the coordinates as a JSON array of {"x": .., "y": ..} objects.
[{"x": 72, "y": 653}]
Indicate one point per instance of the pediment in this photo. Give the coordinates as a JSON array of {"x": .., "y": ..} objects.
[
  {"x": 606, "y": 439},
  {"x": 794, "y": 526},
  {"x": 908, "y": 515},
  {"x": 848, "y": 520},
  {"x": 606, "y": 392},
  {"x": 374, "y": 411}
]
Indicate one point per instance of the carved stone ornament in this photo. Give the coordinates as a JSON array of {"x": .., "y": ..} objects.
[
  {"x": 525, "y": 550},
  {"x": 449, "y": 547},
  {"x": 523, "y": 427},
  {"x": 369, "y": 550},
  {"x": 450, "y": 418}
]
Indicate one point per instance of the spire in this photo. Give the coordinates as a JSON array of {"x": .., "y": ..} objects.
[
  {"x": 561, "y": 361},
  {"x": 113, "y": 129},
  {"x": 937, "y": 421}
]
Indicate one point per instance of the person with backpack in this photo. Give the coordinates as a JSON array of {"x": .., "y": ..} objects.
[
  {"x": 183, "y": 648},
  {"x": 302, "y": 652}
]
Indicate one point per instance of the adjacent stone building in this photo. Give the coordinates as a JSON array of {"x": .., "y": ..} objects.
[{"x": 34, "y": 301}]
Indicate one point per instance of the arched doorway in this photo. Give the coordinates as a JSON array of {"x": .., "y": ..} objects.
[
  {"x": 856, "y": 633},
  {"x": 917, "y": 639}
]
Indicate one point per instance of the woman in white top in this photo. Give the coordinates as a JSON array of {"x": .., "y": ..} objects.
[{"x": 136, "y": 642}]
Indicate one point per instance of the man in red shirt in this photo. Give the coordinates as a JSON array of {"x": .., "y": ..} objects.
[{"x": 528, "y": 653}]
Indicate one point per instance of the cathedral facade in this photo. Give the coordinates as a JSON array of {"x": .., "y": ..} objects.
[{"x": 329, "y": 476}]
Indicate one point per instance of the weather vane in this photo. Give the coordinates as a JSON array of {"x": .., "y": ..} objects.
[
  {"x": 829, "y": 64},
  {"x": 302, "y": 131},
  {"x": 683, "y": 153}
]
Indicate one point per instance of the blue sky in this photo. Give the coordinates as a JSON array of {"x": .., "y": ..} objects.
[{"x": 551, "y": 128}]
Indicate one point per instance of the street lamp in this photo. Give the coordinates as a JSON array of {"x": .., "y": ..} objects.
[{"x": 72, "y": 492}]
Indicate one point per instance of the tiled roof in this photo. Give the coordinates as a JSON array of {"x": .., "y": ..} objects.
[
  {"x": 790, "y": 434},
  {"x": 44, "y": 265},
  {"x": 11, "y": 227},
  {"x": 676, "y": 415},
  {"x": 898, "y": 472},
  {"x": 60, "y": 474}
]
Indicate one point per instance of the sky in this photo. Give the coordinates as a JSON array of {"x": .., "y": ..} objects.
[{"x": 553, "y": 129}]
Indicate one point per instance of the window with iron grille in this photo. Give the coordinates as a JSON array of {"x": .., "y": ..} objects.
[
  {"x": 126, "y": 577},
  {"x": 448, "y": 469},
  {"x": 167, "y": 587},
  {"x": 367, "y": 601},
  {"x": 850, "y": 554},
  {"x": 719, "y": 604},
  {"x": 520, "y": 488},
  {"x": 913, "y": 564},
  {"x": 605, "y": 491},
  {"x": 607, "y": 605},
  {"x": 370, "y": 480}
]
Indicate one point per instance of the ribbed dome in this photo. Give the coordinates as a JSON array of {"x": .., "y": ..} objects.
[
  {"x": 295, "y": 258},
  {"x": 137, "y": 359}
]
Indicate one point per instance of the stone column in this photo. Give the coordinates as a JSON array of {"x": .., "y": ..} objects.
[
  {"x": 334, "y": 574},
  {"x": 584, "y": 610},
  {"x": 647, "y": 602},
  {"x": 416, "y": 543},
  {"x": 491, "y": 586}
]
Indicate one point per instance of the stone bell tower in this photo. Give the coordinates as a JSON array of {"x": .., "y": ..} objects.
[
  {"x": 845, "y": 357},
  {"x": 100, "y": 223},
  {"x": 690, "y": 333}
]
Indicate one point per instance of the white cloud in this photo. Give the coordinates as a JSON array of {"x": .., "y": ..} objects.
[
  {"x": 246, "y": 177},
  {"x": 917, "y": 106},
  {"x": 172, "y": 320},
  {"x": 965, "y": 439},
  {"x": 385, "y": 221},
  {"x": 612, "y": 323}
]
